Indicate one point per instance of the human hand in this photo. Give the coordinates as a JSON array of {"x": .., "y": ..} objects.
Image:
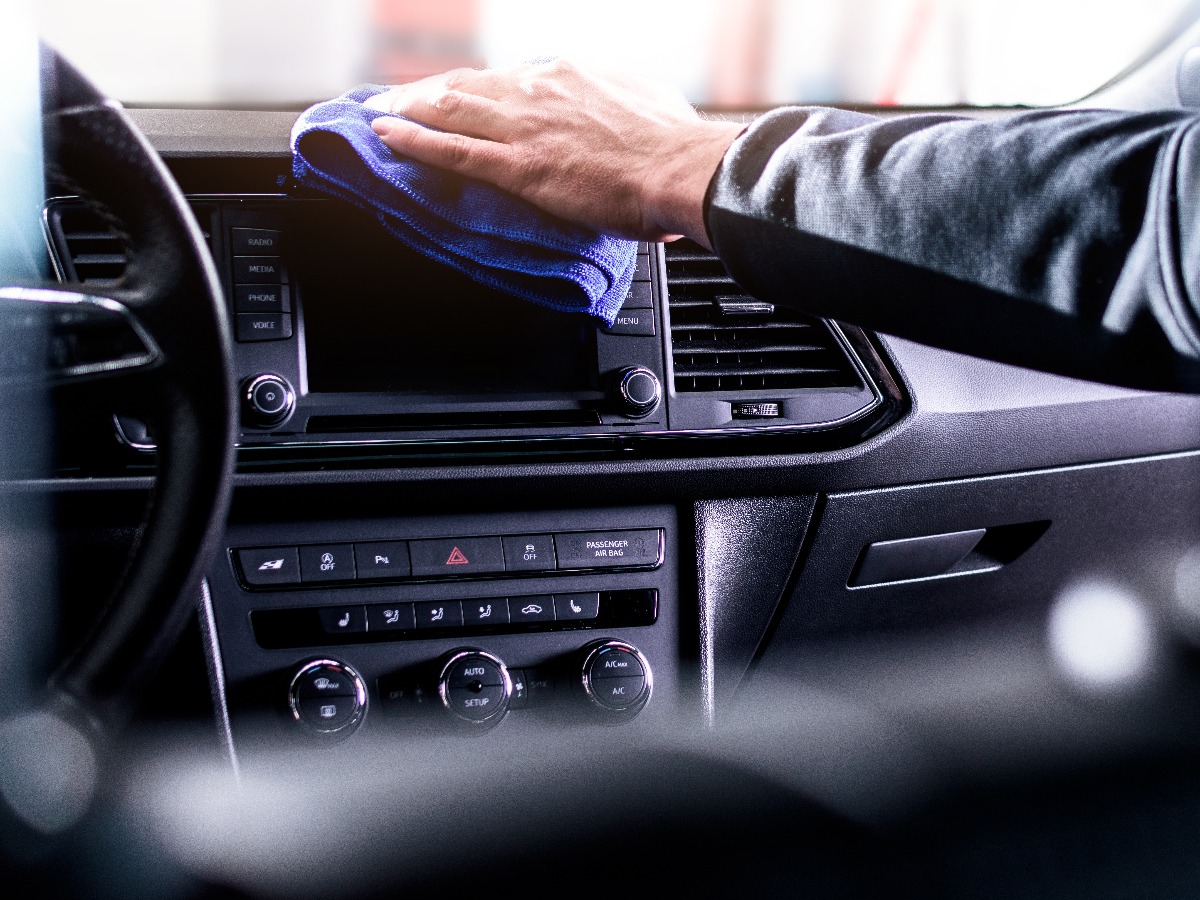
[{"x": 622, "y": 156}]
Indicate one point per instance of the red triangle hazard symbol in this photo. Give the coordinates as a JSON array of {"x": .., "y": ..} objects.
[{"x": 457, "y": 558}]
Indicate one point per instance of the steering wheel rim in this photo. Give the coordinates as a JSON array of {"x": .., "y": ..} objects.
[{"x": 182, "y": 387}]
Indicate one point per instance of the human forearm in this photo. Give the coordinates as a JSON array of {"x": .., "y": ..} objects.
[{"x": 1033, "y": 239}]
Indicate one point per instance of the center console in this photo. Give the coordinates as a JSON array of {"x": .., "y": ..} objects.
[{"x": 442, "y": 624}]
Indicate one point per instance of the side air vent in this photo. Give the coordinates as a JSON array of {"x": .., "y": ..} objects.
[
  {"x": 725, "y": 340},
  {"x": 87, "y": 247}
]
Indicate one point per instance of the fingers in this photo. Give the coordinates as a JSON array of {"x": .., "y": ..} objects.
[
  {"x": 492, "y": 84},
  {"x": 486, "y": 160},
  {"x": 456, "y": 111}
]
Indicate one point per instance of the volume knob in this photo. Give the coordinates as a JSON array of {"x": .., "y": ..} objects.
[{"x": 637, "y": 391}]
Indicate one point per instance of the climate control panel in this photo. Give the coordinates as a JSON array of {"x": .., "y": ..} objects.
[{"x": 369, "y": 629}]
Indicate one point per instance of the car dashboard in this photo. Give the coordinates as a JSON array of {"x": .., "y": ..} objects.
[{"x": 456, "y": 513}]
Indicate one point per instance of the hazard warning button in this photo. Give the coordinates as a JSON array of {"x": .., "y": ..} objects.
[{"x": 457, "y": 556}]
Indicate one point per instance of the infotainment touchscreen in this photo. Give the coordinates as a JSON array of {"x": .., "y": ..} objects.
[{"x": 381, "y": 317}]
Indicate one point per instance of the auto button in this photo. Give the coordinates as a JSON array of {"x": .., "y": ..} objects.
[{"x": 475, "y": 687}]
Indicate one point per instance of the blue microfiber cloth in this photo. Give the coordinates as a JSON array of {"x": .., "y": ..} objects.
[{"x": 491, "y": 236}]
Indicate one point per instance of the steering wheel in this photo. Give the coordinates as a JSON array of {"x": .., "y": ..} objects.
[{"x": 158, "y": 345}]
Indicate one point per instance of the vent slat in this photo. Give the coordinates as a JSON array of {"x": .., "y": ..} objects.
[
  {"x": 759, "y": 349},
  {"x": 697, "y": 279},
  {"x": 721, "y": 372},
  {"x": 695, "y": 347},
  {"x": 98, "y": 259},
  {"x": 755, "y": 324}
]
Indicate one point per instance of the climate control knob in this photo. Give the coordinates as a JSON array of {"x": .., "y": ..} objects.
[
  {"x": 328, "y": 697},
  {"x": 474, "y": 687},
  {"x": 267, "y": 400},
  {"x": 637, "y": 391},
  {"x": 616, "y": 679}
]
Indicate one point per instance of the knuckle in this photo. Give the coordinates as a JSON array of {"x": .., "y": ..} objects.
[
  {"x": 542, "y": 87},
  {"x": 458, "y": 150},
  {"x": 456, "y": 79},
  {"x": 448, "y": 102}
]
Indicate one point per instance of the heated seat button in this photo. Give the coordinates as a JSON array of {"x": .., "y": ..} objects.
[
  {"x": 608, "y": 549},
  {"x": 260, "y": 298},
  {"x": 263, "y": 327},
  {"x": 456, "y": 556},
  {"x": 382, "y": 560},
  {"x": 390, "y": 617},
  {"x": 539, "y": 608},
  {"x": 258, "y": 270},
  {"x": 257, "y": 241},
  {"x": 485, "y": 613},
  {"x": 529, "y": 553},
  {"x": 568, "y": 607},
  {"x": 343, "y": 619},
  {"x": 327, "y": 562},
  {"x": 272, "y": 565},
  {"x": 439, "y": 614}
]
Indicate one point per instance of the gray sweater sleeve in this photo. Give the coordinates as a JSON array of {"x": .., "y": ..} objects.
[{"x": 1065, "y": 241}]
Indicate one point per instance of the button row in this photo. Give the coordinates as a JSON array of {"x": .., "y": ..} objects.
[
  {"x": 440, "y": 614},
  {"x": 270, "y": 566},
  {"x": 352, "y": 623},
  {"x": 261, "y": 296}
]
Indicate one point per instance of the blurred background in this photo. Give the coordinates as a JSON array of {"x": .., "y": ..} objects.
[{"x": 722, "y": 53}]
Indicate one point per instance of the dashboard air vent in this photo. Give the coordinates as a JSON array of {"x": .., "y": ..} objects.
[
  {"x": 87, "y": 247},
  {"x": 725, "y": 340},
  {"x": 89, "y": 250}
]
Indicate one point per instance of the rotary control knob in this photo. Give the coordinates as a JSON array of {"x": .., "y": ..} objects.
[
  {"x": 267, "y": 400},
  {"x": 637, "y": 391},
  {"x": 616, "y": 679},
  {"x": 475, "y": 687},
  {"x": 328, "y": 697}
]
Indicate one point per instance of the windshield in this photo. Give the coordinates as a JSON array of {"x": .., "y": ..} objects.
[{"x": 722, "y": 53}]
